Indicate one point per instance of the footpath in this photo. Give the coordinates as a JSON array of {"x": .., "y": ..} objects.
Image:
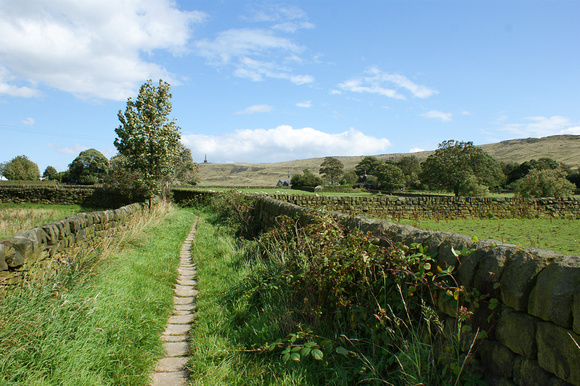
[{"x": 171, "y": 370}]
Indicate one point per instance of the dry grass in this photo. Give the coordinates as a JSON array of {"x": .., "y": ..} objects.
[
  {"x": 20, "y": 217},
  {"x": 562, "y": 148}
]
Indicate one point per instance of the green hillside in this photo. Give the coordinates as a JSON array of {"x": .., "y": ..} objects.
[{"x": 562, "y": 148}]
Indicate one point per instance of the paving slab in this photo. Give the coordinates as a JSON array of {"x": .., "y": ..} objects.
[
  {"x": 177, "y": 329},
  {"x": 169, "y": 379},
  {"x": 176, "y": 349},
  {"x": 181, "y": 319},
  {"x": 182, "y": 300}
]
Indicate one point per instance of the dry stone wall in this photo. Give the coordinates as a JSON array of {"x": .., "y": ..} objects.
[
  {"x": 440, "y": 206},
  {"x": 90, "y": 196},
  {"x": 29, "y": 251},
  {"x": 534, "y": 332}
]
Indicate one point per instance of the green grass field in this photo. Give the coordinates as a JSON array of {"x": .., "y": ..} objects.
[
  {"x": 560, "y": 235},
  {"x": 20, "y": 217}
]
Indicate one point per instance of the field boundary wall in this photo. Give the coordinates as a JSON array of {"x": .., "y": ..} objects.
[
  {"x": 535, "y": 330},
  {"x": 439, "y": 207},
  {"x": 89, "y": 196},
  {"x": 27, "y": 252}
]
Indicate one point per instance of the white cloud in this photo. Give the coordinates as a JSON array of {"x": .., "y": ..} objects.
[
  {"x": 67, "y": 150},
  {"x": 542, "y": 126},
  {"x": 90, "y": 48},
  {"x": 335, "y": 92},
  {"x": 281, "y": 144},
  {"x": 436, "y": 114},
  {"x": 416, "y": 150},
  {"x": 386, "y": 84},
  {"x": 28, "y": 121},
  {"x": 259, "y": 53},
  {"x": 304, "y": 104},
  {"x": 256, "y": 109}
]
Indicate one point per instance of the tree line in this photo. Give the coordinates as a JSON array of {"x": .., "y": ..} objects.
[
  {"x": 456, "y": 167},
  {"x": 150, "y": 154}
]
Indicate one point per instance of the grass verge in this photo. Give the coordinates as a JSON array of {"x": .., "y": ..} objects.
[{"x": 98, "y": 317}]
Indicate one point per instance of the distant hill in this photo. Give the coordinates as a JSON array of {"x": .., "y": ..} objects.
[{"x": 562, "y": 148}]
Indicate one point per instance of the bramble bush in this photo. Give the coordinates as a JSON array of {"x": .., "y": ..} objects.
[{"x": 360, "y": 306}]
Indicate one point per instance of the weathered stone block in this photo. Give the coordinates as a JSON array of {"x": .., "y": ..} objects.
[
  {"x": 497, "y": 358},
  {"x": 576, "y": 311},
  {"x": 517, "y": 331},
  {"x": 528, "y": 372},
  {"x": 491, "y": 261},
  {"x": 519, "y": 275},
  {"x": 558, "y": 351},
  {"x": 445, "y": 256},
  {"x": 3, "y": 251},
  {"x": 551, "y": 297}
]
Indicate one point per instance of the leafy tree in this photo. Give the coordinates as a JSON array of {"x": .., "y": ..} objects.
[
  {"x": 389, "y": 177},
  {"x": 50, "y": 173},
  {"x": 186, "y": 171},
  {"x": 124, "y": 182},
  {"x": 21, "y": 168},
  {"x": 367, "y": 166},
  {"x": 544, "y": 183},
  {"x": 349, "y": 178},
  {"x": 147, "y": 139},
  {"x": 574, "y": 177},
  {"x": 453, "y": 162},
  {"x": 90, "y": 167},
  {"x": 305, "y": 179},
  {"x": 411, "y": 168},
  {"x": 331, "y": 169}
]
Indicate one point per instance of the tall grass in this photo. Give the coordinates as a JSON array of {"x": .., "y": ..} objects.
[
  {"x": 19, "y": 217},
  {"x": 97, "y": 316}
]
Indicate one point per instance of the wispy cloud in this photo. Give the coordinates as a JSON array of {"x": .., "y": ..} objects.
[
  {"x": 436, "y": 114},
  {"x": 416, "y": 150},
  {"x": 304, "y": 104},
  {"x": 391, "y": 85},
  {"x": 282, "y": 143},
  {"x": 28, "y": 121},
  {"x": 67, "y": 150},
  {"x": 542, "y": 126},
  {"x": 256, "y": 109},
  {"x": 260, "y": 53},
  {"x": 92, "y": 49}
]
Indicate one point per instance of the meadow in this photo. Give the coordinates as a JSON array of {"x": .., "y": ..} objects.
[
  {"x": 555, "y": 234},
  {"x": 20, "y": 217}
]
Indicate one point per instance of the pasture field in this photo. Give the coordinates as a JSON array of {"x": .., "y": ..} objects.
[
  {"x": 556, "y": 234},
  {"x": 20, "y": 217}
]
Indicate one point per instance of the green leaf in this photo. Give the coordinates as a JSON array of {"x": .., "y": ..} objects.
[
  {"x": 305, "y": 351},
  {"x": 466, "y": 328},
  {"x": 342, "y": 350},
  {"x": 286, "y": 357},
  {"x": 475, "y": 239},
  {"x": 296, "y": 349},
  {"x": 295, "y": 357},
  {"x": 317, "y": 354},
  {"x": 326, "y": 343},
  {"x": 310, "y": 344}
]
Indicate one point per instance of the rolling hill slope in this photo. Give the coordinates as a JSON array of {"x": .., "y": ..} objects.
[{"x": 562, "y": 148}]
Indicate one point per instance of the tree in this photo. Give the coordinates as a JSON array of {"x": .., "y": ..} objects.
[
  {"x": 186, "y": 171},
  {"x": 50, "y": 173},
  {"x": 21, "y": 168},
  {"x": 454, "y": 162},
  {"x": 349, "y": 178},
  {"x": 90, "y": 167},
  {"x": 124, "y": 182},
  {"x": 305, "y": 179},
  {"x": 411, "y": 168},
  {"x": 331, "y": 169},
  {"x": 146, "y": 137},
  {"x": 544, "y": 183},
  {"x": 389, "y": 177},
  {"x": 367, "y": 166}
]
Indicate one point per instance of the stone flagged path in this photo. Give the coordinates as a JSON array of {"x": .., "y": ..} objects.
[{"x": 170, "y": 370}]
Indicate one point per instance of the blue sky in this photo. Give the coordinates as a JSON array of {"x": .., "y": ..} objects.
[{"x": 265, "y": 81}]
